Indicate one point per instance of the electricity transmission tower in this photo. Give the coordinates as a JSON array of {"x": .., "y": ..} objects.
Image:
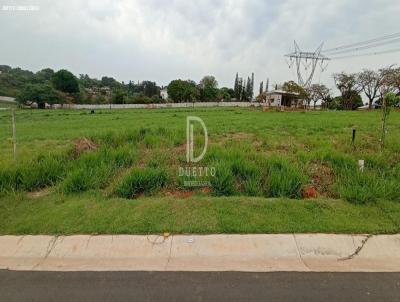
[{"x": 306, "y": 63}]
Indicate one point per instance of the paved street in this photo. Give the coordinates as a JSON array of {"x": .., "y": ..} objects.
[{"x": 200, "y": 286}]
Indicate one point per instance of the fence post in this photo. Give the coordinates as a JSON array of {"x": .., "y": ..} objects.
[
  {"x": 353, "y": 138},
  {"x": 14, "y": 134}
]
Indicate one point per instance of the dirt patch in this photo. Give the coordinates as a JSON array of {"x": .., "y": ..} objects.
[
  {"x": 82, "y": 145},
  {"x": 322, "y": 177},
  {"x": 205, "y": 190},
  {"x": 179, "y": 194},
  {"x": 38, "y": 194},
  {"x": 310, "y": 192},
  {"x": 237, "y": 136},
  {"x": 241, "y": 135}
]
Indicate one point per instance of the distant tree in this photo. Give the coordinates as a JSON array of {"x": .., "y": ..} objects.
[
  {"x": 252, "y": 86},
  {"x": 237, "y": 87},
  {"x": 267, "y": 85},
  {"x": 191, "y": 92},
  {"x": 65, "y": 81},
  {"x": 13, "y": 80},
  {"x": 40, "y": 94},
  {"x": 149, "y": 88},
  {"x": 349, "y": 88},
  {"x": 389, "y": 100},
  {"x": 140, "y": 98},
  {"x": 370, "y": 82},
  {"x": 339, "y": 103},
  {"x": 336, "y": 103},
  {"x": 390, "y": 81},
  {"x": 88, "y": 82},
  {"x": 119, "y": 97},
  {"x": 157, "y": 99},
  {"x": 248, "y": 90},
  {"x": 261, "y": 90},
  {"x": 318, "y": 92},
  {"x": 241, "y": 92},
  {"x": 183, "y": 91},
  {"x": 208, "y": 89},
  {"x": 110, "y": 82},
  {"x": 262, "y": 97},
  {"x": 44, "y": 75},
  {"x": 226, "y": 94},
  {"x": 296, "y": 88}
]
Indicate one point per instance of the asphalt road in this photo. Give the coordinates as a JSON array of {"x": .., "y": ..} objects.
[{"x": 182, "y": 286}]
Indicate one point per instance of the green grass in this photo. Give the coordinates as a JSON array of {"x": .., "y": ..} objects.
[
  {"x": 141, "y": 181},
  {"x": 257, "y": 156},
  {"x": 8, "y": 105},
  {"x": 92, "y": 213}
]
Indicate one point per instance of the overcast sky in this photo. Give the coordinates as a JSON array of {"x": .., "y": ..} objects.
[{"x": 163, "y": 40}]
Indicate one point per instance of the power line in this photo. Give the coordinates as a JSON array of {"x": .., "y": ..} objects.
[
  {"x": 367, "y": 54},
  {"x": 365, "y": 47},
  {"x": 382, "y": 38}
]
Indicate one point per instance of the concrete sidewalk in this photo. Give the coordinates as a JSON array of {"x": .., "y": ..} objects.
[{"x": 251, "y": 253}]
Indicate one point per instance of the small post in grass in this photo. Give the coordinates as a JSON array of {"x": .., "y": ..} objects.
[
  {"x": 353, "y": 138},
  {"x": 14, "y": 134}
]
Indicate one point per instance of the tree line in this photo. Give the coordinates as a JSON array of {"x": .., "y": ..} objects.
[
  {"x": 48, "y": 86},
  {"x": 373, "y": 84}
]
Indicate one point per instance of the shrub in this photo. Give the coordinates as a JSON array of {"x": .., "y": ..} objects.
[{"x": 146, "y": 181}]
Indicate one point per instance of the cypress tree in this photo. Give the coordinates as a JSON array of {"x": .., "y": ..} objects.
[{"x": 236, "y": 88}]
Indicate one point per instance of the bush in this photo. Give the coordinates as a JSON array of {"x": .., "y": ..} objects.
[{"x": 146, "y": 181}]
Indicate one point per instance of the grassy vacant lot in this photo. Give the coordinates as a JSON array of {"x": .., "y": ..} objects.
[{"x": 123, "y": 177}]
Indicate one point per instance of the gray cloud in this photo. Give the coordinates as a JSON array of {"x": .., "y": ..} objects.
[{"x": 164, "y": 40}]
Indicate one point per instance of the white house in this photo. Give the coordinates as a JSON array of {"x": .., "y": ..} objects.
[
  {"x": 278, "y": 98},
  {"x": 164, "y": 93}
]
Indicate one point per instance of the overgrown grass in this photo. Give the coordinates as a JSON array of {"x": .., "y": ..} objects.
[
  {"x": 141, "y": 181},
  {"x": 254, "y": 153},
  {"x": 44, "y": 170},
  {"x": 93, "y": 170}
]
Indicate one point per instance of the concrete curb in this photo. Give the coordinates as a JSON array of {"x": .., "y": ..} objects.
[{"x": 251, "y": 253}]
